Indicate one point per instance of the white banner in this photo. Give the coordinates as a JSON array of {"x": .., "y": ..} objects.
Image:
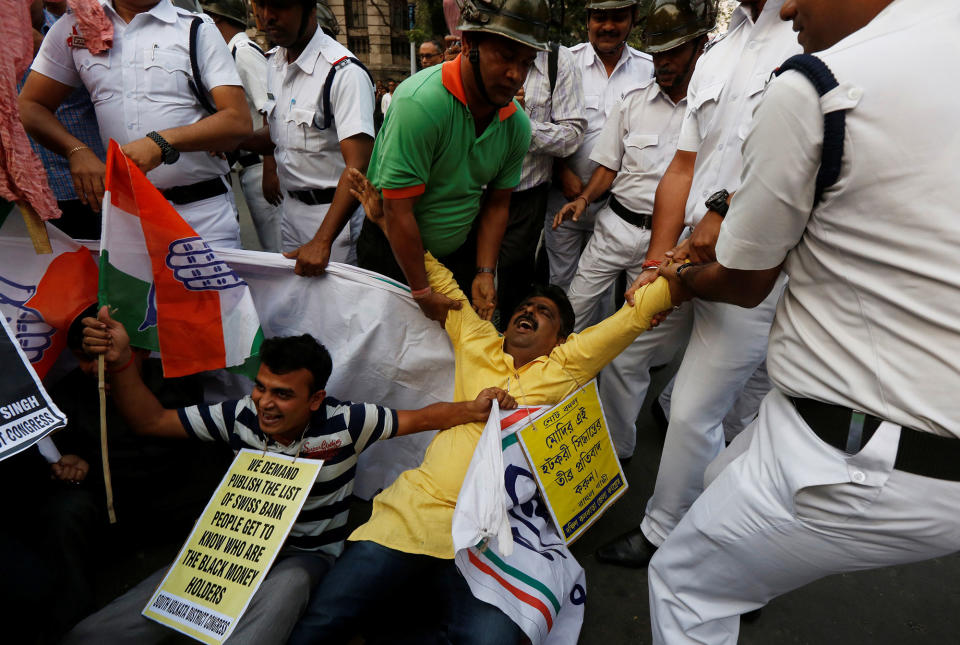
[{"x": 384, "y": 349}]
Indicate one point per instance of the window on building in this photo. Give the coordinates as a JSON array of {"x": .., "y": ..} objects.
[
  {"x": 399, "y": 43},
  {"x": 357, "y": 14},
  {"x": 358, "y": 44},
  {"x": 398, "y": 15}
]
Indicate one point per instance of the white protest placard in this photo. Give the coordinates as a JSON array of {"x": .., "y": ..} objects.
[{"x": 233, "y": 545}]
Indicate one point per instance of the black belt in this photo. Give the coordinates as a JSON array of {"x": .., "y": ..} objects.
[
  {"x": 195, "y": 192},
  {"x": 313, "y": 196},
  {"x": 249, "y": 159},
  {"x": 920, "y": 453},
  {"x": 628, "y": 216}
]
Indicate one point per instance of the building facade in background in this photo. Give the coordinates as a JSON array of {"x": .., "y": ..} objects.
[{"x": 376, "y": 32}]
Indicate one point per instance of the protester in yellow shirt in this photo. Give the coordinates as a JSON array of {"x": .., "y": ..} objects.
[{"x": 406, "y": 546}]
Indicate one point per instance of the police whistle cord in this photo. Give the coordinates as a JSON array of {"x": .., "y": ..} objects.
[{"x": 107, "y": 485}]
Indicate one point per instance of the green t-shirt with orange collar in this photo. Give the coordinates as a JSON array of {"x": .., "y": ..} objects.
[{"x": 428, "y": 148}]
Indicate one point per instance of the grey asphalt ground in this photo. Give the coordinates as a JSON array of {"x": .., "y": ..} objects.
[{"x": 913, "y": 604}]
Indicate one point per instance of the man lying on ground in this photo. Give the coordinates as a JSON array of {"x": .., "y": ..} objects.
[
  {"x": 406, "y": 548},
  {"x": 289, "y": 413}
]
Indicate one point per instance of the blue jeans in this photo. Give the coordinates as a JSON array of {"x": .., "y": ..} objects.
[{"x": 369, "y": 581}]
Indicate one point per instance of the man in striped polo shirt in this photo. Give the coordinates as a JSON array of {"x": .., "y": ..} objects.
[{"x": 288, "y": 413}]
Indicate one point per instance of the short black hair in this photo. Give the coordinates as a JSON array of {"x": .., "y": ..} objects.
[
  {"x": 436, "y": 43},
  {"x": 559, "y": 298},
  {"x": 285, "y": 354}
]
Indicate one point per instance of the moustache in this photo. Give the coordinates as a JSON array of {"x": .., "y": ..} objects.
[{"x": 529, "y": 318}]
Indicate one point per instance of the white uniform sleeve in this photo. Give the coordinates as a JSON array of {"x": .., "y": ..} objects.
[
  {"x": 690, "y": 128},
  {"x": 252, "y": 68},
  {"x": 352, "y": 100},
  {"x": 216, "y": 64},
  {"x": 769, "y": 213},
  {"x": 608, "y": 147},
  {"x": 55, "y": 60}
]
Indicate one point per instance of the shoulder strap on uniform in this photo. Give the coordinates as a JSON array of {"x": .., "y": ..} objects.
[
  {"x": 196, "y": 83},
  {"x": 553, "y": 57},
  {"x": 328, "y": 84},
  {"x": 834, "y": 123},
  {"x": 250, "y": 43}
]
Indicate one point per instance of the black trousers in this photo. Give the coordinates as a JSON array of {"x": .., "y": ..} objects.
[
  {"x": 374, "y": 254},
  {"x": 516, "y": 268}
]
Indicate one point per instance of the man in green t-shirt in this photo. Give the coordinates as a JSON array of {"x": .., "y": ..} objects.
[{"x": 450, "y": 152}]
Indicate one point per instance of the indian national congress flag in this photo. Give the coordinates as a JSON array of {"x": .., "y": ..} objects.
[
  {"x": 170, "y": 290},
  {"x": 40, "y": 295}
]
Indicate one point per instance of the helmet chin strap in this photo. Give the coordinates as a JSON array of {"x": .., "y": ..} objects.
[{"x": 474, "y": 57}]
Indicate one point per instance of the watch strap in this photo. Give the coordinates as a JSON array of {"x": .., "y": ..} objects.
[{"x": 165, "y": 147}]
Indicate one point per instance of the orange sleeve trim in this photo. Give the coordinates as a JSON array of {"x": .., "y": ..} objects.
[{"x": 404, "y": 193}]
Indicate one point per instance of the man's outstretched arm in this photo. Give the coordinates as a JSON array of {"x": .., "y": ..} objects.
[
  {"x": 441, "y": 416},
  {"x": 138, "y": 405}
]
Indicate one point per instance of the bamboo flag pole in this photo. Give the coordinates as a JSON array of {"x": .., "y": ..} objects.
[
  {"x": 101, "y": 385},
  {"x": 36, "y": 228}
]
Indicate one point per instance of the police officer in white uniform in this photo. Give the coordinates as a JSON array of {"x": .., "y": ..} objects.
[
  {"x": 317, "y": 133},
  {"x": 633, "y": 150},
  {"x": 854, "y": 461},
  {"x": 609, "y": 69},
  {"x": 141, "y": 93},
  {"x": 727, "y": 344},
  {"x": 230, "y": 17}
]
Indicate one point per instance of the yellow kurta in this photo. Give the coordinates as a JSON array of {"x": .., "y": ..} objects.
[{"x": 415, "y": 514}]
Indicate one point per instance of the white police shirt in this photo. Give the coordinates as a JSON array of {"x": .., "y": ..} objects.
[
  {"x": 141, "y": 83},
  {"x": 639, "y": 141},
  {"x": 307, "y": 155},
  {"x": 870, "y": 318},
  {"x": 252, "y": 68},
  {"x": 722, "y": 95},
  {"x": 601, "y": 93}
]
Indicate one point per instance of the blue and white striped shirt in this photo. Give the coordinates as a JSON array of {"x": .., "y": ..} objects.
[{"x": 337, "y": 433}]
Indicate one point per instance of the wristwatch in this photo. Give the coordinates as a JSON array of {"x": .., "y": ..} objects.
[
  {"x": 717, "y": 202},
  {"x": 168, "y": 154}
]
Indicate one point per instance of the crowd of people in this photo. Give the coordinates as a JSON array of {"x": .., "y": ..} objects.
[{"x": 775, "y": 215}]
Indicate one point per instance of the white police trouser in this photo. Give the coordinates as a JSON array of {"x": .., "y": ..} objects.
[
  {"x": 265, "y": 216},
  {"x": 787, "y": 511},
  {"x": 727, "y": 344},
  {"x": 214, "y": 219},
  {"x": 565, "y": 244},
  {"x": 301, "y": 221},
  {"x": 743, "y": 412},
  {"x": 614, "y": 247}
]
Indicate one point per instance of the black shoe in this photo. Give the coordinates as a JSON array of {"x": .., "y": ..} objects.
[{"x": 631, "y": 549}]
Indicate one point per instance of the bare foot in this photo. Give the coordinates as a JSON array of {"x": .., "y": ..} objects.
[{"x": 369, "y": 197}]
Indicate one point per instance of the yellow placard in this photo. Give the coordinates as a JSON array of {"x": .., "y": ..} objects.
[
  {"x": 574, "y": 461},
  {"x": 233, "y": 545}
]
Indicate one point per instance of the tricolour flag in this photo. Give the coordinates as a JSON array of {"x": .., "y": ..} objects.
[
  {"x": 40, "y": 295},
  {"x": 168, "y": 288},
  {"x": 539, "y": 585}
]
